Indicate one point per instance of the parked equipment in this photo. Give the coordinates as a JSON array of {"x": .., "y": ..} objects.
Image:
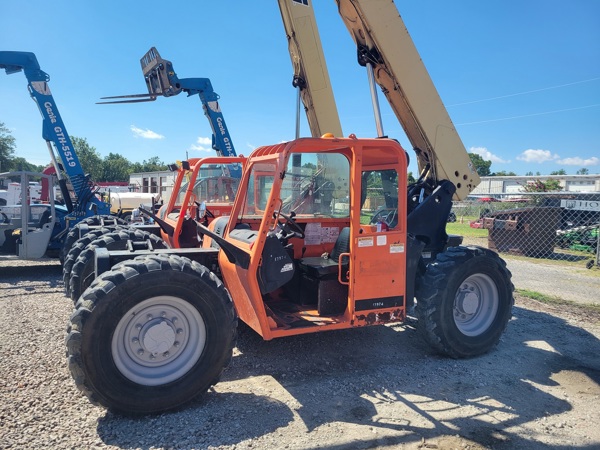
[
  {"x": 157, "y": 327},
  {"x": 83, "y": 202},
  {"x": 197, "y": 198}
]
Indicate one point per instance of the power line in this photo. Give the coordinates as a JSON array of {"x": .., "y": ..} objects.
[
  {"x": 529, "y": 115},
  {"x": 524, "y": 93}
]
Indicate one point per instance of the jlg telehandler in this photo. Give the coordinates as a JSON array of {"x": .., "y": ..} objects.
[{"x": 324, "y": 234}]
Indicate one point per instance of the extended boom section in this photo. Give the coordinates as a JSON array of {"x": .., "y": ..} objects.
[
  {"x": 310, "y": 69},
  {"x": 383, "y": 42}
]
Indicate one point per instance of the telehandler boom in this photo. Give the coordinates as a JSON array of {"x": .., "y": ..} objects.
[
  {"x": 161, "y": 80},
  {"x": 85, "y": 204}
]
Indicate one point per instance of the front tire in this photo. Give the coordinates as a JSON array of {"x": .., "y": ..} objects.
[
  {"x": 464, "y": 301},
  {"x": 151, "y": 334}
]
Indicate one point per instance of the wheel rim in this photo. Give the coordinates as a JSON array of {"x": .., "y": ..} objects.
[
  {"x": 158, "y": 341},
  {"x": 476, "y": 304}
]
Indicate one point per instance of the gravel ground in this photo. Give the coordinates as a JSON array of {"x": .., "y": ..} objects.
[
  {"x": 374, "y": 387},
  {"x": 571, "y": 282}
]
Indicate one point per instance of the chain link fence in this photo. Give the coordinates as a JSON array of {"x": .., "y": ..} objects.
[{"x": 559, "y": 226}]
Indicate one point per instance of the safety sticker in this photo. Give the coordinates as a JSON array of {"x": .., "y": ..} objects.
[
  {"x": 397, "y": 248},
  {"x": 381, "y": 240},
  {"x": 315, "y": 234},
  {"x": 365, "y": 242}
]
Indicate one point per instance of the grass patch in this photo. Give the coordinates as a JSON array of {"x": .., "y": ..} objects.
[
  {"x": 464, "y": 229},
  {"x": 558, "y": 260},
  {"x": 556, "y": 301},
  {"x": 539, "y": 296}
]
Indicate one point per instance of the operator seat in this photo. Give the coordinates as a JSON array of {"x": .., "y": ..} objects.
[
  {"x": 320, "y": 266},
  {"x": 319, "y": 278}
]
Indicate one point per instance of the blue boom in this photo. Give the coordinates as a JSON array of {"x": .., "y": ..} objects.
[
  {"x": 162, "y": 80},
  {"x": 86, "y": 203}
]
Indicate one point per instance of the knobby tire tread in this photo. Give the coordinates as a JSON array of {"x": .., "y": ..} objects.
[
  {"x": 82, "y": 268},
  {"x": 100, "y": 291},
  {"x": 432, "y": 287}
]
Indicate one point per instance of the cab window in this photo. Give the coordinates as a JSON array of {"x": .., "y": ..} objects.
[
  {"x": 316, "y": 185},
  {"x": 379, "y": 198}
]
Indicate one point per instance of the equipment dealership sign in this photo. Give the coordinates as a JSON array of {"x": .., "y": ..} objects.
[{"x": 581, "y": 205}]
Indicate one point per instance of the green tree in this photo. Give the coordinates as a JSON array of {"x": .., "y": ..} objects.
[
  {"x": 411, "y": 178},
  {"x": 154, "y": 164},
  {"x": 89, "y": 158},
  {"x": 481, "y": 165},
  {"x": 21, "y": 164},
  {"x": 504, "y": 173},
  {"x": 529, "y": 174},
  {"x": 583, "y": 171},
  {"x": 7, "y": 148},
  {"x": 538, "y": 185},
  {"x": 115, "y": 168},
  {"x": 558, "y": 172}
]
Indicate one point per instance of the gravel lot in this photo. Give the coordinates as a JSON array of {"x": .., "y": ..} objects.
[
  {"x": 369, "y": 388},
  {"x": 571, "y": 282}
]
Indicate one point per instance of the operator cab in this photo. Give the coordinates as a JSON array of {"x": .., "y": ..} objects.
[{"x": 317, "y": 254}]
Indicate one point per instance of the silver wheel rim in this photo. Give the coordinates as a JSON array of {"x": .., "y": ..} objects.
[
  {"x": 476, "y": 305},
  {"x": 158, "y": 341}
]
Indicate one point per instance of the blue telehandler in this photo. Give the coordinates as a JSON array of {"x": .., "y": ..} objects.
[{"x": 19, "y": 234}]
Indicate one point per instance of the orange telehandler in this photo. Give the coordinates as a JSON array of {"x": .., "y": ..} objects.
[{"x": 324, "y": 234}]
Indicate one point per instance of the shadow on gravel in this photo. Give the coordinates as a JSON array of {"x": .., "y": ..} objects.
[
  {"x": 380, "y": 386},
  {"x": 213, "y": 420},
  {"x": 47, "y": 273}
]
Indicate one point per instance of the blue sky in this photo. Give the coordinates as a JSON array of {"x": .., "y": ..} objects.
[{"x": 520, "y": 79}]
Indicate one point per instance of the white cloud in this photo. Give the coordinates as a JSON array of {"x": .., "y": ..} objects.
[
  {"x": 577, "y": 161},
  {"x": 146, "y": 134},
  {"x": 203, "y": 144},
  {"x": 487, "y": 155},
  {"x": 537, "y": 156}
]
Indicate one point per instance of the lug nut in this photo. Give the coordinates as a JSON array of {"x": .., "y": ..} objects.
[{"x": 140, "y": 352}]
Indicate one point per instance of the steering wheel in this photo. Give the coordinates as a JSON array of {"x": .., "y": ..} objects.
[
  {"x": 387, "y": 215},
  {"x": 290, "y": 228}
]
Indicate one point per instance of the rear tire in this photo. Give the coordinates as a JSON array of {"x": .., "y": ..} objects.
[
  {"x": 76, "y": 250},
  {"x": 73, "y": 234},
  {"x": 464, "y": 301},
  {"x": 83, "y": 271},
  {"x": 151, "y": 334}
]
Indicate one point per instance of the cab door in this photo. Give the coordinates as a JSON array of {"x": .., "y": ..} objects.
[
  {"x": 378, "y": 247},
  {"x": 258, "y": 196}
]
